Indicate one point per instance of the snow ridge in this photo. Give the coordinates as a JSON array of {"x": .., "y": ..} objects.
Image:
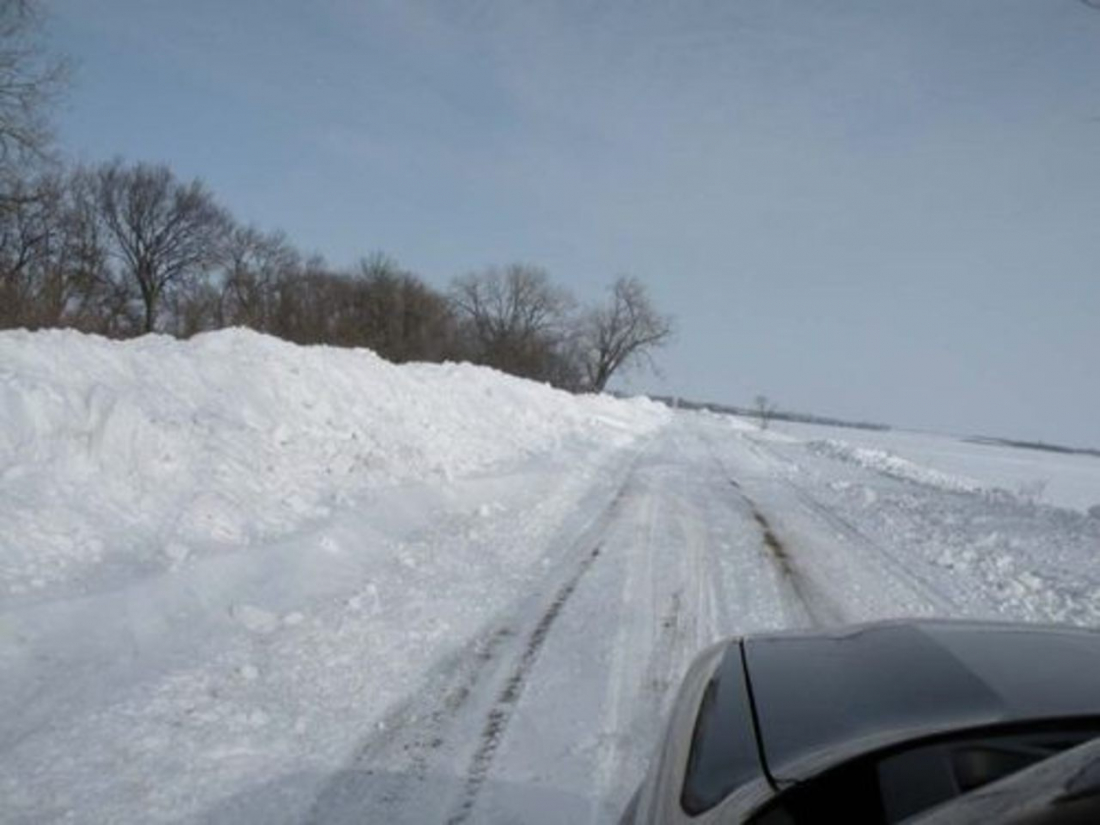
[
  {"x": 149, "y": 451},
  {"x": 893, "y": 465}
]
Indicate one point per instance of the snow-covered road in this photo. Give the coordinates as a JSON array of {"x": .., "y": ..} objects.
[
  {"x": 553, "y": 709},
  {"x": 551, "y": 713},
  {"x": 497, "y": 645}
]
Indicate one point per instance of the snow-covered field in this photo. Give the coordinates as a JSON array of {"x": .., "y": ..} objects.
[
  {"x": 243, "y": 581},
  {"x": 1062, "y": 479}
]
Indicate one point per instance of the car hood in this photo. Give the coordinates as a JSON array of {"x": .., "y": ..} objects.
[{"x": 824, "y": 698}]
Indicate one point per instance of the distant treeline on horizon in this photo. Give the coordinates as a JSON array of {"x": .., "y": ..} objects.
[{"x": 776, "y": 415}]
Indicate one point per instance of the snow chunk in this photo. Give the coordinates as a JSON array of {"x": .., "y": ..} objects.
[
  {"x": 250, "y": 673},
  {"x": 254, "y": 618},
  {"x": 177, "y": 553},
  {"x": 293, "y": 619}
]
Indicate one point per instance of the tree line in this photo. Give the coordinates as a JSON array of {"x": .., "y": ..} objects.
[
  {"x": 127, "y": 249},
  {"x": 123, "y": 249}
]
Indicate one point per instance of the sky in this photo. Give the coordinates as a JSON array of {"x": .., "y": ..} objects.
[{"x": 878, "y": 210}]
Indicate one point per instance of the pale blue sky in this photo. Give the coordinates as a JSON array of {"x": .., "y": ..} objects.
[{"x": 874, "y": 209}]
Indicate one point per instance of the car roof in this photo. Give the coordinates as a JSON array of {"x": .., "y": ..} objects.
[{"x": 825, "y": 697}]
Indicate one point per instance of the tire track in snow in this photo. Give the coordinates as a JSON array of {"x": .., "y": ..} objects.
[
  {"x": 637, "y": 586},
  {"x": 817, "y": 607},
  {"x": 943, "y": 604},
  {"x": 416, "y": 731},
  {"x": 422, "y": 739},
  {"x": 820, "y": 610},
  {"x": 501, "y": 714},
  {"x": 821, "y": 605},
  {"x": 857, "y": 538},
  {"x": 409, "y": 769},
  {"x": 665, "y": 612}
]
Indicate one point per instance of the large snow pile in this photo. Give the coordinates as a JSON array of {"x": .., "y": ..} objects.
[{"x": 151, "y": 450}]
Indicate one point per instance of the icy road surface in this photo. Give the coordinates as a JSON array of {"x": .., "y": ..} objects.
[{"x": 501, "y": 648}]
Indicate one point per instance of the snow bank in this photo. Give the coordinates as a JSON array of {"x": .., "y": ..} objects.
[
  {"x": 153, "y": 449},
  {"x": 892, "y": 465}
]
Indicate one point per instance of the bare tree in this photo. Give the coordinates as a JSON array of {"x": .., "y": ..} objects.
[
  {"x": 253, "y": 264},
  {"x": 516, "y": 318},
  {"x": 29, "y": 79},
  {"x": 308, "y": 303},
  {"x": 53, "y": 263},
  {"x": 764, "y": 410},
  {"x": 101, "y": 301},
  {"x": 628, "y": 329},
  {"x": 398, "y": 315},
  {"x": 162, "y": 231},
  {"x": 26, "y": 230}
]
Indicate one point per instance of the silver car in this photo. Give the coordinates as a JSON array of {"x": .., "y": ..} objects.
[{"x": 917, "y": 722}]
